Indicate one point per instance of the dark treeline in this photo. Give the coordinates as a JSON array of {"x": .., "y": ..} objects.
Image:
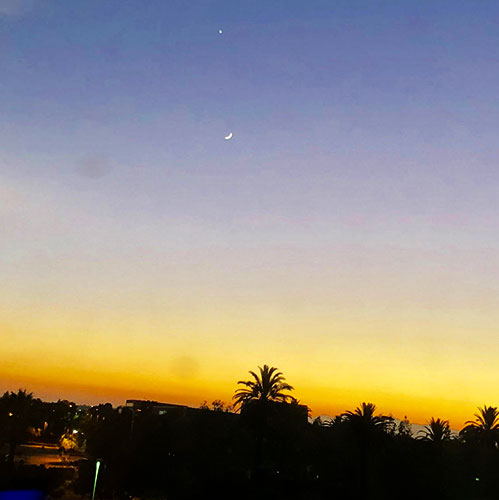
[{"x": 263, "y": 447}]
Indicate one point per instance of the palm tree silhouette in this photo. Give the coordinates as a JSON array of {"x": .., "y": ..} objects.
[
  {"x": 256, "y": 401},
  {"x": 485, "y": 427},
  {"x": 363, "y": 417},
  {"x": 266, "y": 387},
  {"x": 437, "y": 430},
  {"x": 366, "y": 427}
]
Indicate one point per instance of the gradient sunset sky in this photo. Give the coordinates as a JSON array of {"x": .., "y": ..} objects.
[{"x": 348, "y": 233}]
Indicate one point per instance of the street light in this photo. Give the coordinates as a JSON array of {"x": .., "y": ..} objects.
[{"x": 97, "y": 467}]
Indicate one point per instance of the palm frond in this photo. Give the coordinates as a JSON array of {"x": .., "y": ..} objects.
[{"x": 268, "y": 385}]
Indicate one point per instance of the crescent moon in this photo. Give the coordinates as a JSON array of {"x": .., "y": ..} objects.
[{"x": 228, "y": 137}]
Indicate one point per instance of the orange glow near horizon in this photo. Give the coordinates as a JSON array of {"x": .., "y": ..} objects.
[
  {"x": 130, "y": 318},
  {"x": 327, "y": 401},
  {"x": 328, "y": 377}
]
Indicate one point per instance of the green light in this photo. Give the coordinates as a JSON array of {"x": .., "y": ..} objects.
[
  {"x": 97, "y": 466},
  {"x": 477, "y": 479}
]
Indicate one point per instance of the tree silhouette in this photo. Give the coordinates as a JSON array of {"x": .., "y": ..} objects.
[
  {"x": 258, "y": 401},
  {"x": 268, "y": 386},
  {"x": 335, "y": 421},
  {"x": 216, "y": 405},
  {"x": 485, "y": 427},
  {"x": 18, "y": 413},
  {"x": 363, "y": 417},
  {"x": 404, "y": 428},
  {"x": 367, "y": 428},
  {"x": 60, "y": 418},
  {"x": 437, "y": 430}
]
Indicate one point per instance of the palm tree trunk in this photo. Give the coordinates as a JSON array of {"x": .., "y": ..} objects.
[
  {"x": 258, "y": 460},
  {"x": 363, "y": 471}
]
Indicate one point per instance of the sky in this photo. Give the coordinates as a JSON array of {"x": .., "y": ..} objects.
[{"x": 347, "y": 234}]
